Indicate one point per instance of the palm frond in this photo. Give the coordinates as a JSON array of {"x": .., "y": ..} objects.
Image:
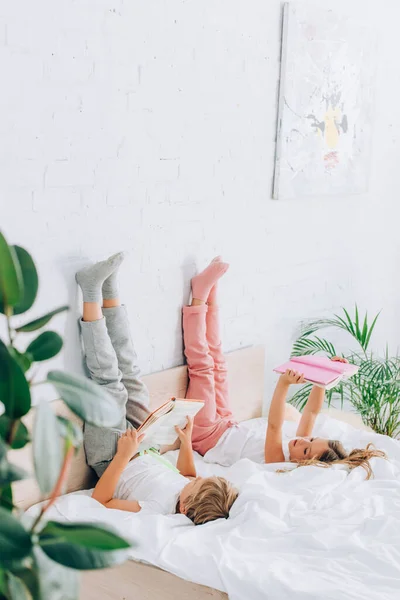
[
  {"x": 305, "y": 345},
  {"x": 365, "y": 330},
  {"x": 346, "y": 323},
  {"x": 374, "y": 392},
  {"x": 312, "y": 325},
  {"x": 370, "y": 330},
  {"x": 351, "y": 326},
  {"x": 299, "y": 400}
]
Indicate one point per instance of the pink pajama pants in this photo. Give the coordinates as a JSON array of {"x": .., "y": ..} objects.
[{"x": 208, "y": 375}]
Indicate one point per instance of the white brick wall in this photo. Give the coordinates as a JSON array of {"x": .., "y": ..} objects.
[{"x": 150, "y": 126}]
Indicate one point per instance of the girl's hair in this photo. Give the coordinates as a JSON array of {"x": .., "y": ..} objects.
[
  {"x": 213, "y": 501},
  {"x": 337, "y": 455}
]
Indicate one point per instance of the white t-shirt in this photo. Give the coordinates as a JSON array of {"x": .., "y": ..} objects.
[
  {"x": 247, "y": 440},
  {"x": 152, "y": 484}
]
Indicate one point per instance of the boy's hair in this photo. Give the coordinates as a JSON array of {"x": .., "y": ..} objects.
[{"x": 213, "y": 501}]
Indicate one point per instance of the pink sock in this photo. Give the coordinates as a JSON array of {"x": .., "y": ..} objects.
[
  {"x": 203, "y": 283},
  {"x": 212, "y": 297}
]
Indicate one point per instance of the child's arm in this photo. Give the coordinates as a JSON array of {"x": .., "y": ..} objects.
[
  {"x": 313, "y": 407},
  {"x": 185, "y": 464},
  {"x": 273, "y": 441},
  {"x": 104, "y": 491}
]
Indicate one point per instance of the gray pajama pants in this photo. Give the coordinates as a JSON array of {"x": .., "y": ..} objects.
[{"x": 112, "y": 362}]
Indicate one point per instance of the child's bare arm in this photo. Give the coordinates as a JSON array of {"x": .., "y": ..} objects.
[
  {"x": 105, "y": 488},
  {"x": 129, "y": 505},
  {"x": 185, "y": 464},
  {"x": 273, "y": 441},
  {"x": 311, "y": 411}
]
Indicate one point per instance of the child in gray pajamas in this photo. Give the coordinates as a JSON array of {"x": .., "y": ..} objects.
[{"x": 129, "y": 481}]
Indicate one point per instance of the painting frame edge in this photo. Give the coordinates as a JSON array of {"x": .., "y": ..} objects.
[{"x": 281, "y": 96}]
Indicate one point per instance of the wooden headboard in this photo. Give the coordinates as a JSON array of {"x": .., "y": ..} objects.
[{"x": 246, "y": 384}]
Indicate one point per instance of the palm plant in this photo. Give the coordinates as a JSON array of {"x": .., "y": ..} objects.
[
  {"x": 374, "y": 391},
  {"x": 39, "y": 559}
]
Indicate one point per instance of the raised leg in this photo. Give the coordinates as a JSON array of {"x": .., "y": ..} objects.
[
  {"x": 200, "y": 366},
  {"x": 215, "y": 348},
  {"x": 137, "y": 406},
  {"x": 100, "y": 442},
  {"x": 208, "y": 424}
]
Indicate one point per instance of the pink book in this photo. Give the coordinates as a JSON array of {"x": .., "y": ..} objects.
[{"x": 319, "y": 370}]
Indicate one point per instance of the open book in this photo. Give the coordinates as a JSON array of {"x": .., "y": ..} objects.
[
  {"x": 319, "y": 370},
  {"x": 159, "y": 426}
]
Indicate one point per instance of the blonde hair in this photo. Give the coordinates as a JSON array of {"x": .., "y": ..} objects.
[
  {"x": 213, "y": 501},
  {"x": 337, "y": 455}
]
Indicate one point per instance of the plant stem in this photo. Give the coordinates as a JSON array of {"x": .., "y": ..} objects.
[
  {"x": 12, "y": 431},
  {"x": 69, "y": 452},
  {"x": 9, "y": 328}
]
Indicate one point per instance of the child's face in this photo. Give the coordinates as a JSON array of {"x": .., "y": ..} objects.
[
  {"x": 191, "y": 488},
  {"x": 308, "y": 448}
]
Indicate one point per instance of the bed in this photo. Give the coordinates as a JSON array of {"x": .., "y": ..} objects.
[{"x": 306, "y": 533}]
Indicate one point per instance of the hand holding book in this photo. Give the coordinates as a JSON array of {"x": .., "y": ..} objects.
[
  {"x": 160, "y": 425},
  {"x": 292, "y": 377},
  {"x": 128, "y": 443},
  {"x": 185, "y": 434}
]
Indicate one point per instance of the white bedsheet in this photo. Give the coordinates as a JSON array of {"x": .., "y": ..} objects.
[{"x": 307, "y": 534}]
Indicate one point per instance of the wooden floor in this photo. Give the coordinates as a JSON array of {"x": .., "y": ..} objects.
[{"x": 136, "y": 581}]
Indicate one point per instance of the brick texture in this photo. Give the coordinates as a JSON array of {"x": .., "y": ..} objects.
[{"x": 150, "y": 127}]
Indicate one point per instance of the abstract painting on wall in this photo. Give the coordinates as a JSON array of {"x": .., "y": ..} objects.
[{"x": 325, "y": 104}]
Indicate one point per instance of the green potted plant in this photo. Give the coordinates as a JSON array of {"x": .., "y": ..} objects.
[
  {"x": 375, "y": 391},
  {"x": 41, "y": 559}
]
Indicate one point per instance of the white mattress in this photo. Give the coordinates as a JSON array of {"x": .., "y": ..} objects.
[{"x": 307, "y": 534}]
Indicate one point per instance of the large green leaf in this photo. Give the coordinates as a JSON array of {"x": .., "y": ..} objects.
[
  {"x": 79, "y": 557},
  {"x": 47, "y": 452},
  {"x": 10, "y": 473},
  {"x": 15, "y": 541},
  {"x": 30, "y": 578},
  {"x": 87, "y": 535},
  {"x": 41, "y": 321},
  {"x": 6, "y": 499},
  {"x": 3, "y": 584},
  {"x": 56, "y": 582},
  {"x": 30, "y": 281},
  {"x": 20, "y": 433},
  {"x": 45, "y": 346},
  {"x": 3, "y": 451},
  {"x": 14, "y": 389},
  {"x": 16, "y": 588},
  {"x": 70, "y": 431},
  {"x": 86, "y": 399},
  {"x": 24, "y": 360},
  {"x": 11, "y": 283}
]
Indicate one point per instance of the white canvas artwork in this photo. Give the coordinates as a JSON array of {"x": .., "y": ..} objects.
[{"x": 325, "y": 104}]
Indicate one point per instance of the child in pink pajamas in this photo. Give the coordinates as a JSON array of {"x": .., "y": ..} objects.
[
  {"x": 208, "y": 374},
  {"x": 216, "y": 435}
]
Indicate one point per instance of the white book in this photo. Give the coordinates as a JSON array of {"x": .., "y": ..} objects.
[{"x": 159, "y": 427}]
